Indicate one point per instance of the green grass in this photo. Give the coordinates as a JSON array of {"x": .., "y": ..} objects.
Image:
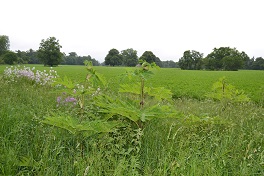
[
  {"x": 168, "y": 147},
  {"x": 182, "y": 83},
  {"x": 173, "y": 147}
]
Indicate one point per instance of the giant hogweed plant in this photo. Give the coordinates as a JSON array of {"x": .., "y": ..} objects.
[
  {"x": 105, "y": 112},
  {"x": 135, "y": 101},
  {"x": 88, "y": 122},
  {"x": 226, "y": 93}
]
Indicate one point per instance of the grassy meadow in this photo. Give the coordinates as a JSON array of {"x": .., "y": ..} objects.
[
  {"x": 182, "y": 83},
  {"x": 207, "y": 138}
]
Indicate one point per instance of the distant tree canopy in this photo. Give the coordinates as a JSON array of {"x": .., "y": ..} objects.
[
  {"x": 49, "y": 52},
  {"x": 31, "y": 57},
  {"x": 169, "y": 64},
  {"x": 150, "y": 58},
  {"x": 113, "y": 58},
  {"x": 191, "y": 60},
  {"x": 129, "y": 57},
  {"x": 74, "y": 59},
  {"x": 4, "y": 44},
  {"x": 10, "y": 57},
  {"x": 28, "y": 57},
  {"x": 225, "y": 58},
  {"x": 258, "y": 64}
]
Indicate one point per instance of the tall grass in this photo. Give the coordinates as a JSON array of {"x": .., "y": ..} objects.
[{"x": 176, "y": 146}]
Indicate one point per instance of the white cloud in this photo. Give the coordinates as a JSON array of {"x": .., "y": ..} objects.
[{"x": 166, "y": 27}]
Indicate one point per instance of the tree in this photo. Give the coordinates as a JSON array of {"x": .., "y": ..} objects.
[
  {"x": 71, "y": 59},
  {"x": 4, "y": 44},
  {"x": 130, "y": 57},
  {"x": 233, "y": 59},
  {"x": 49, "y": 52},
  {"x": 191, "y": 60},
  {"x": 113, "y": 58},
  {"x": 10, "y": 57},
  {"x": 258, "y": 64},
  {"x": 32, "y": 57},
  {"x": 246, "y": 60},
  {"x": 149, "y": 57},
  {"x": 74, "y": 59},
  {"x": 232, "y": 63},
  {"x": 169, "y": 64}
]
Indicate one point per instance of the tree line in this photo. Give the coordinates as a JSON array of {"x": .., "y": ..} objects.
[
  {"x": 48, "y": 54},
  {"x": 223, "y": 58},
  {"x": 129, "y": 58}
]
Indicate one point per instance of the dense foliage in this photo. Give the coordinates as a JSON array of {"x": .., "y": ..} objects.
[
  {"x": 113, "y": 58},
  {"x": 223, "y": 58},
  {"x": 10, "y": 57},
  {"x": 28, "y": 57},
  {"x": 191, "y": 60},
  {"x": 4, "y": 44},
  {"x": 74, "y": 59},
  {"x": 129, "y": 57},
  {"x": 49, "y": 52},
  {"x": 151, "y": 58},
  {"x": 256, "y": 64},
  {"x": 204, "y": 138}
]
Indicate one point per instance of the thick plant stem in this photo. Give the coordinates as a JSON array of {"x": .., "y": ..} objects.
[
  {"x": 223, "y": 87},
  {"x": 142, "y": 94}
]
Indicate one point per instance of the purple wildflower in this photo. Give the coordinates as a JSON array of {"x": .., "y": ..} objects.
[
  {"x": 70, "y": 99},
  {"x": 58, "y": 99}
]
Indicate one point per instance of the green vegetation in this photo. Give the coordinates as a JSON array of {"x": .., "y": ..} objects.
[
  {"x": 48, "y": 130},
  {"x": 223, "y": 58},
  {"x": 49, "y": 52},
  {"x": 182, "y": 83},
  {"x": 10, "y": 57},
  {"x": 4, "y": 44}
]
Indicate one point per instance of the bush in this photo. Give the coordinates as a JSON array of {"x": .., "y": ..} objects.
[{"x": 10, "y": 58}]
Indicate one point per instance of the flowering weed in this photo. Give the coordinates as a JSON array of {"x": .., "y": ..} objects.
[{"x": 14, "y": 74}]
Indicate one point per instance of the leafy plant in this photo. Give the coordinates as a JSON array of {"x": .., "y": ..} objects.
[
  {"x": 134, "y": 107},
  {"x": 77, "y": 94},
  {"x": 87, "y": 128},
  {"x": 227, "y": 93}
]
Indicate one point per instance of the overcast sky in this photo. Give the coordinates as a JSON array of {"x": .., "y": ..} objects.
[{"x": 165, "y": 27}]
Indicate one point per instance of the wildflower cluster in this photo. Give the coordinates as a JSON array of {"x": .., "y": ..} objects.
[
  {"x": 66, "y": 100},
  {"x": 13, "y": 74}
]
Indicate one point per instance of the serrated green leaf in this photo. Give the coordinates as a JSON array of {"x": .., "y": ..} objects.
[{"x": 88, "y": 127}]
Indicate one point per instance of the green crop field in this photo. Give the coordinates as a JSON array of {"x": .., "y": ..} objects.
[
  {"x": 182, "y": 83},
  {"x": 100, "y": 134}
]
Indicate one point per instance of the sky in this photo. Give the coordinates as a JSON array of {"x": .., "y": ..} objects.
[{"x": 165, "y": 27}]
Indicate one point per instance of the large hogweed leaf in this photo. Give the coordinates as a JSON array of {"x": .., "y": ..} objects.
[
  {"x": 159, "y": 93},
  {"x": 75, "y": 127},
  {"x": 129, "y": 109}
]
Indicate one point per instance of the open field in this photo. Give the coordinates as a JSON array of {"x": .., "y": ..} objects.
[
  {"x": 205, "y": 139},
  {"x": 182, "y": 83}
]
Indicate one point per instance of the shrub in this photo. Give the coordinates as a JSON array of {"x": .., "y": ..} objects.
[{"x": 10, "y": 58}]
